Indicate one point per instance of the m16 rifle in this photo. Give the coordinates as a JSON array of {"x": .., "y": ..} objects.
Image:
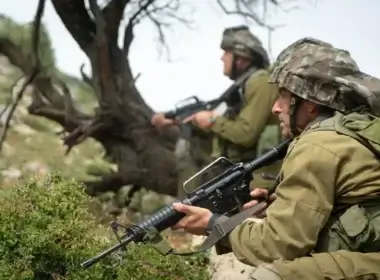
[
  {"x": 225, "y": 194},
  {"x": 193, "y": 104}
]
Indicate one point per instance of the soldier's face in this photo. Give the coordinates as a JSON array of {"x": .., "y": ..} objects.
[
  {"x": 281, "y": 109},
  {"x": 306, "y": 112},
  {"x": 227, "y": 59}
]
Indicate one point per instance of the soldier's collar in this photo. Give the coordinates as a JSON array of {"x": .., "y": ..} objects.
[{"x": 315, "y": 122}]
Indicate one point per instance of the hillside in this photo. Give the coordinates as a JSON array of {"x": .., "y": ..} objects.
[{"x": 32, "y": 145}]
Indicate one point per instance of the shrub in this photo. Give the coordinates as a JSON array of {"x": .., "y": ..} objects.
[{"x": 46, "y": 232}]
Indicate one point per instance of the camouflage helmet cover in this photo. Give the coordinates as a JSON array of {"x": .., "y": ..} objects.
[
  {"x": 242, "y": 42},
  {"x": 315, "y": 70}
]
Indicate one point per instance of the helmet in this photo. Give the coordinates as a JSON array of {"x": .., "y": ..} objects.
[
  {"x": 316, "y": 71},
  {"x": 242, "y": 42}
]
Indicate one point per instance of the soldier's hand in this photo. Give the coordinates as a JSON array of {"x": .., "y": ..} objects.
[
  {"x": 195, "y": 221},
  {"x": 258, "y": 194},
  {"x": 202, "y": 119},
  {"x": 159, "y": 120}
]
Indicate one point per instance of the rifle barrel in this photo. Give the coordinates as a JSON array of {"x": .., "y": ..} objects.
[
  {"x": 95, "y": 259},
  {"x": 267, "y": 158}
]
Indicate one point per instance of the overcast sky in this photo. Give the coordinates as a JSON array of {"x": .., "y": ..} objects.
[{"x": 196, "y": 68}]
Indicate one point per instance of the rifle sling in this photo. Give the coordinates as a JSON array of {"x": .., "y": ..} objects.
[{"x": 223, "y": 226}]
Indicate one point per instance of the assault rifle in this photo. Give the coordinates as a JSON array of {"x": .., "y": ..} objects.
[
  {"x": 224, "y": 194},
  {"x": 193, "y": 104}
]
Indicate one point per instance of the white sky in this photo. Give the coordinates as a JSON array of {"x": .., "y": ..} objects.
[{"x": 196, "y": 68}]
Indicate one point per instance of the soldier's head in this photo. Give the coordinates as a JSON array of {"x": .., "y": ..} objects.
[
  {"x": 316, "y": 79},
  {"x": 242, "y": 50}
]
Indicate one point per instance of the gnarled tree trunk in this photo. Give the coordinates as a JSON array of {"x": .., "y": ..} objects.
[{"x": 144, "y": 155}]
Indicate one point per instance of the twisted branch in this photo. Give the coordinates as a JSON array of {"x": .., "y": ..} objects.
[{"x": 36, "y": 68}]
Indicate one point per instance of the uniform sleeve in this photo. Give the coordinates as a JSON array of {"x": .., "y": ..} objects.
[
  {"x": 245, "y": 130},
  {"x": 303, "y": 205},
  {"x": 331, "y": 265}
]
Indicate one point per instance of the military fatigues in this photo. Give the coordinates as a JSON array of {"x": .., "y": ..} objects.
[
  {"x": 325, "y": 222},
  {"x": 247, "y": 128},
  {"x": 242, "y": 133},
  {"x": 337, "y": 265},
  {"x": 317, "y": 183},
  {"x": 240, "y": 137},
  {"x": 245, "y": 131},
  {"x": 237, "y": 136}
]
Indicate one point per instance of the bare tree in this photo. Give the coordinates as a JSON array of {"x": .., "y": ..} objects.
[{"x": 121, "y": 123}]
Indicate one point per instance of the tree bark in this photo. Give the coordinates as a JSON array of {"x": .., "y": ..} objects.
[{"x": 144, "y": 154}]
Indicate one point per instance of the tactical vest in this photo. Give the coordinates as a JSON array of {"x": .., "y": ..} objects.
[
  {"x": 269, "y": 138},
  {"x": 200, "y": 147},
  {"x": 356, "y": 228}
]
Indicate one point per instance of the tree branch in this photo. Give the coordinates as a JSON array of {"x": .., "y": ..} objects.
[
  {"x": 85, "y": 77},
  {"x": 102, "y": 62},
  {"x": 248, "y": 10},
  {"x": 249, "y": 13},
  {"x": 160, "y": 16},
  {"x": 113, "y": 13},
  {"x": 133, "y": 20},
  {"x": 77, "y": 21},
  {"x": 47, "y": 101},
  {"x": 36, "y": 68},
  {"x": 10, "y": 100}
]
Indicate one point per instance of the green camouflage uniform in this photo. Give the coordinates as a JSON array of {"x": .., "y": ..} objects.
[
  {"x": 248, "y": 130},
  {"x": 325, "y": 222},
  {"x": 245, "y": 130}
]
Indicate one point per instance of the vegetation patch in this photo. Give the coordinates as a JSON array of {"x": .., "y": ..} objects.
[{"x": 46, "y": 232}]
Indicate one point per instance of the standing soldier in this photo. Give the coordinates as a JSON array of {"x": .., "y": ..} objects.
[
  {"x": 241, "y": 132},
  {"x": 324, "y": 222}
]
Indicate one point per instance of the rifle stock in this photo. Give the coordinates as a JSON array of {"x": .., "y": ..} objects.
[{"x": 224, "y": 194}]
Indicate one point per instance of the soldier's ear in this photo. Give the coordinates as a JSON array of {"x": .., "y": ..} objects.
[{"x": 312, "y": 108}]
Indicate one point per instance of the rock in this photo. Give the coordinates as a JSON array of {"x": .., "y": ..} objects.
[
  {"x": 23, "y": 129},
  {"x": 227, "y": 267},
  {"x": 8, "y": 150},
  {"x": 36, "y": 167},
  {"x": 11, "y": 173}
]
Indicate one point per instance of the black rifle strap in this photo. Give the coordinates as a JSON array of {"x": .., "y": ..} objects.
[{"x": 223, "y": 226}]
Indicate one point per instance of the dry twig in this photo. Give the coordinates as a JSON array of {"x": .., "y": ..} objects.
[{"x": 35, "y": 69}]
